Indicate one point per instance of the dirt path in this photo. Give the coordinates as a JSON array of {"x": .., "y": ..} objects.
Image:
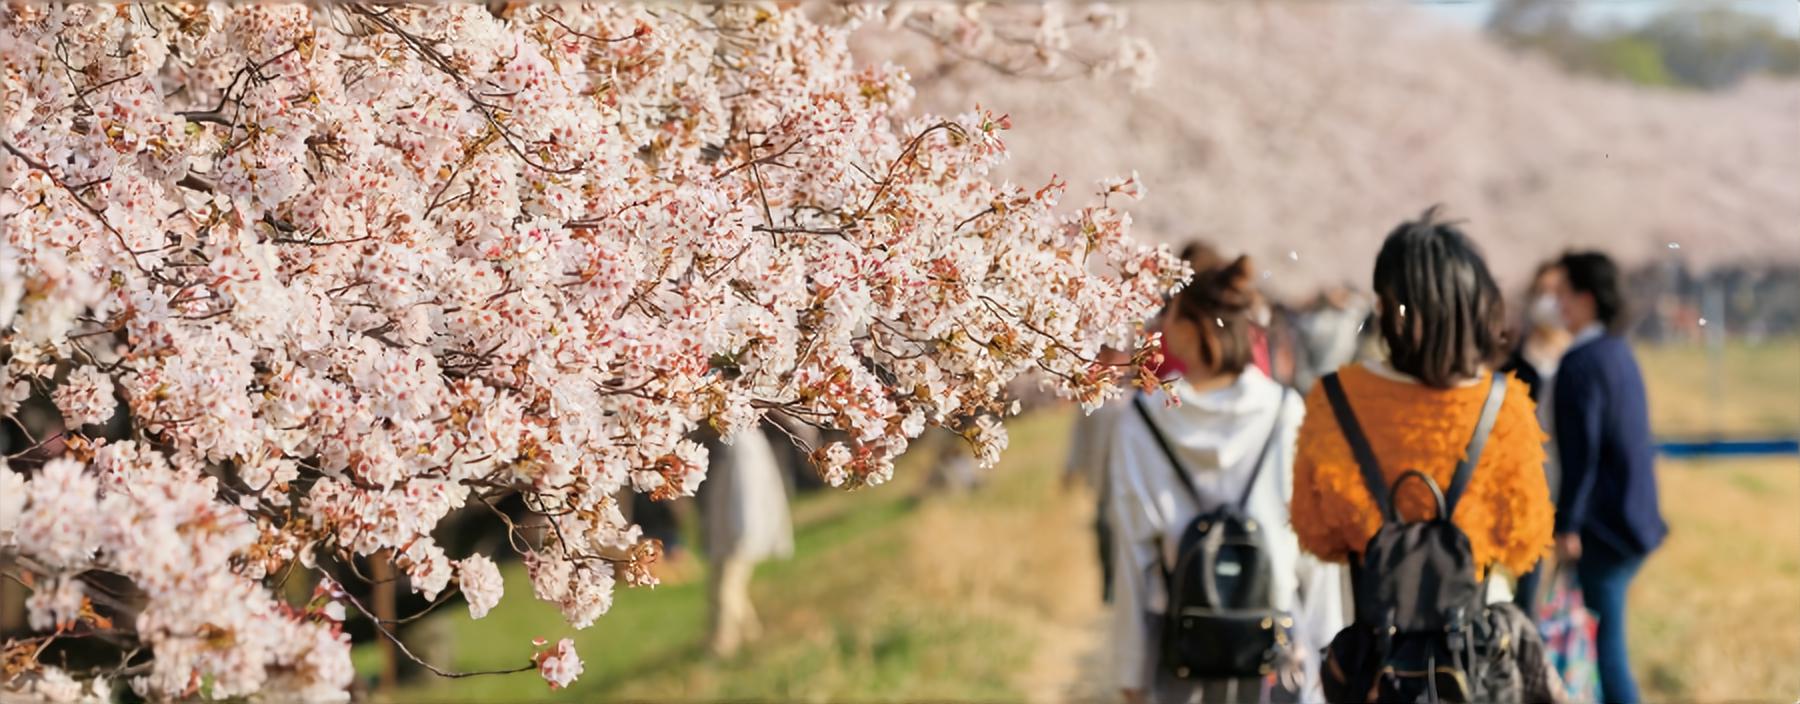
[
  {"x": 1070, "y": 663},
  {"x": 1022, "y": 551}
]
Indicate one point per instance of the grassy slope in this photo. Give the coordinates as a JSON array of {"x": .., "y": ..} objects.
[
  {"x": 884, "y": 600},
  {"x": 1716, "y": 612},
  {"x": 1760, "y": 388},
  {"x": 964, "y": 598}
]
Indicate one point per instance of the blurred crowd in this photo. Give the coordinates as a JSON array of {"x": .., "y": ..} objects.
[{"x": 1531, "y": 418}]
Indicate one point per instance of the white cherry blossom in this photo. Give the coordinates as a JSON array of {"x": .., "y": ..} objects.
[{"x": 345, "y": 270}]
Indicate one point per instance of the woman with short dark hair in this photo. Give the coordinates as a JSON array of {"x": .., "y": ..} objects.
[
  {"x": 1441, "y": 317},
  {"x": 1607, "y": 514}
]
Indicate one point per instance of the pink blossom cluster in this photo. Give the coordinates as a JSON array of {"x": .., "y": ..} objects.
[
  {"x": 346, "y": 269},
  {"x": 1051, "y": 40}
]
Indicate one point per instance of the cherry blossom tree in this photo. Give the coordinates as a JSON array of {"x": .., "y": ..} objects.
[
  {"x": 302, "y": 280},
  {"x": 1300, "y": 132}
]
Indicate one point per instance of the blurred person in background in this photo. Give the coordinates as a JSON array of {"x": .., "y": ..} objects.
[
  {"x": 1544, "y": 336},
  {"x": 1086, "y": 464},
  {"x": 793, "y": 442},
  {"x": 1607, "y": 515},
  {"x": 1229, "y": 411},
  {"x": 1326, "y": 335},
  {"x": 659, "y": 522},
  {"x": 1534, "y": 361},
  {"x": 744, "y": 508},
  {"x": 954, "y": 470}
]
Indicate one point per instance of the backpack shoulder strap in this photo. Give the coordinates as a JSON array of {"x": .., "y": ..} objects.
[
  {"x": 1359, "y": 444},
  {"x": 1263, "y": 456},
  {"x": 1490, "y": 411},
  {"x": 1187, "y": 482}
]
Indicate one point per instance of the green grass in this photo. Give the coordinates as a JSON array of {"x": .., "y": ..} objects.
[
  {"x": 1715, "y": 614},
  {"x": 1757, "y": 389},
  {"x": 896, "y": 597},
  {"x": 843, "y": 620},
  {"x": 648, "y": 632}
]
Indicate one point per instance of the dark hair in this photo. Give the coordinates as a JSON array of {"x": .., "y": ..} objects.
[
  {"x": 1595, "y": 274},
  {"x": 1442, "y": 315},
  {"x": 1218, "y": 301},
  {"x": 1543, "y": 268},
  {"x": 1522, "y": 314}
]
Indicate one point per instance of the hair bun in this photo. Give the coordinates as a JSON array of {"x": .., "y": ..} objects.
[
  {"x": 1226, "y": 289},
  {"x": 1237, "y": 275},
  {"x": 1219, "y": 300}
]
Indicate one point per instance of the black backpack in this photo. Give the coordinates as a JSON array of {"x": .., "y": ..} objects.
[
  {"x": 1423, "y": 630},
  {"x": 1220, "y": 621}
]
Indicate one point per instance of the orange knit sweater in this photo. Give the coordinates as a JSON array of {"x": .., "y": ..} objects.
[{"x": 1505, "y": 510}]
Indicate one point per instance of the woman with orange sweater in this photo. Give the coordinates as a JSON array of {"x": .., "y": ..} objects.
[{"x": 1441, "y": 319}]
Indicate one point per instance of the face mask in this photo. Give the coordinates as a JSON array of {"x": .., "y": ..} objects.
[{"x": 1545, "y": 312}]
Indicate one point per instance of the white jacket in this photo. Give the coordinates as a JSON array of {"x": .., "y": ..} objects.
[{"x": 1218, "y": 435}]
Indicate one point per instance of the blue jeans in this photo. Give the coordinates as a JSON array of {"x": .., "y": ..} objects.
[{"x": 1604, "y": 578}]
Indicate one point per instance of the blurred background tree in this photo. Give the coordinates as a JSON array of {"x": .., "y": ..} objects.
[{"x": 1704, "y": 46}]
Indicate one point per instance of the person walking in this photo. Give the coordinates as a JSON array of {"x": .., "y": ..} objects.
[
  {"x": 1607, "y": 516},
  {"x": 1090, "y": 443},
  {"x": 1327, "y": 334},
  {"x": 1228, "y": 440},
  {"x": 1441, "y": 318},
  {"x": 744, "y": 508}
]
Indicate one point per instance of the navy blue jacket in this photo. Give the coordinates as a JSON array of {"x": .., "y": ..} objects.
[{"x": 1608, "y": 454}]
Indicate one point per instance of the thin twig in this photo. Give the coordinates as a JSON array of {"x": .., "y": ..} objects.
[{"x": 395, "y": 639}]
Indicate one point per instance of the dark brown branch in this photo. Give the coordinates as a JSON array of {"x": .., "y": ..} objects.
[
  {"x": 638, "y": 33},
  {"x": 196, "y": 182},
  {"x": 764, "y": 159},
  {"x": 906, "y": 157},
  {"x": 98, "y": 213},
  {"x": 395, "y": 639},
  {"x": 436, "y": 60}
]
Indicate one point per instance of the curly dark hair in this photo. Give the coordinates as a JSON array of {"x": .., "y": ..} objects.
[{"x": 1595, "y": 274}]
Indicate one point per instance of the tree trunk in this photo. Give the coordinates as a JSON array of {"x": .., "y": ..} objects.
[{"x": 381, "y": 569}]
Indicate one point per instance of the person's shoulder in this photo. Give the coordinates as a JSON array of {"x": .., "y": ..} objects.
[
  {"x": 1618, "y": 346},
  {"x": 1586, "y": 355},
  {"x": 1518, "y": 391},
  {"x": 1607, "y": 353},
  {"x": 1316, "y": 396},
  {"x": 1355, "y": 374},
  {"x": 1518, "y": 405},
  {"x": 1610, "y": 343},
  {"x": 1291, "y": 403}
]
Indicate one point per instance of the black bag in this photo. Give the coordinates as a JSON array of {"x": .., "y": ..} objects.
[
  {"x": 1220, "y": 622},
  {"x": 1423, "y": 630}
]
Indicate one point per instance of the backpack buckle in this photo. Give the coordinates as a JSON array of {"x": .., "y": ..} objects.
[{"x": 1455, "y": 629}]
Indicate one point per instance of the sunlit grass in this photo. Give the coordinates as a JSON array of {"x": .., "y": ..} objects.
[
  {"x": 993, "y": 596},
  {"x": 1715, "y": 614},
  {"x": 1757, "y": 385},
  {"x": 848, "y": 618}
]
